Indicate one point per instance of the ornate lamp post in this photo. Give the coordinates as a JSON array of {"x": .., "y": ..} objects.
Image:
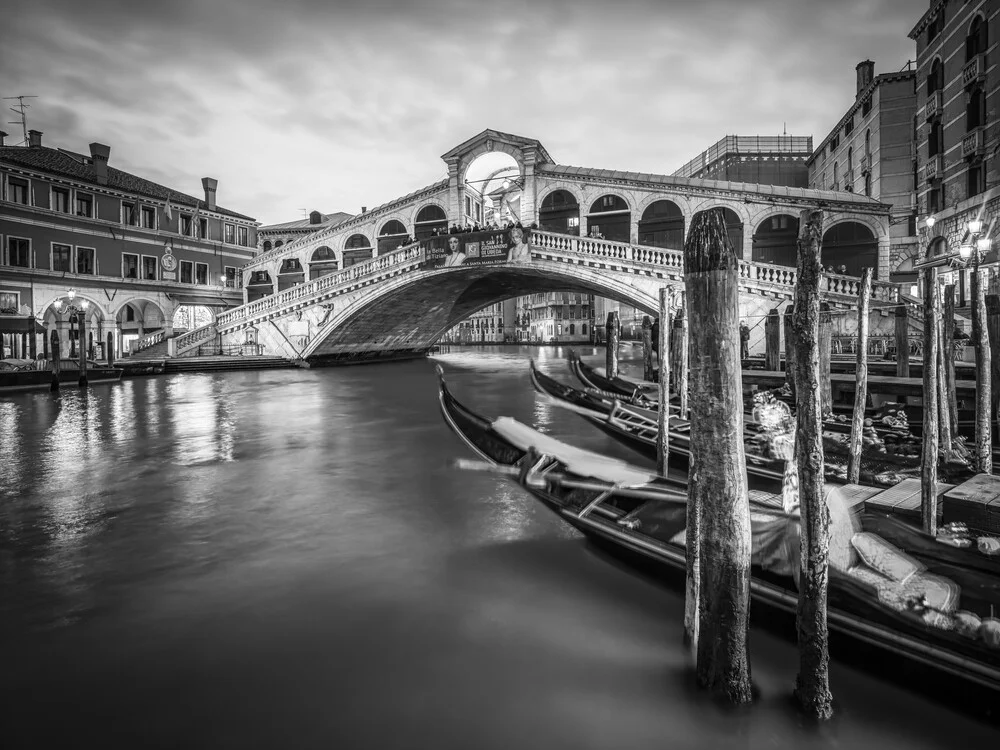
[{"x": 77, "y": 313}]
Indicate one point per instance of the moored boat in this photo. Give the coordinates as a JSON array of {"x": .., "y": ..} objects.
[
  {"x": 22, "y": 375},
  {"x": 878, "y": 593}
]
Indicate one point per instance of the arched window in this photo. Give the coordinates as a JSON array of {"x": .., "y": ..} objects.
[
  {"x": 392, "y": 234},
  {"x": 868, "y": 142},
  {"x": 357, "y": 242},
  {"x": 662, "y": 225},
  {"x": 357, "y": 249},
  {"x": 323, "y": 253},
  {"x": 267, "y": 245},
  {"x": 836, "y": 177},
  {"x": 935, "y": 139},
  {"x": 392, "y": 227},
  {"x": 430, "y": 220},
  {"x": 610, "y": 218},
  {"x": 279, "y": 243},
  {"x": 560, "y": 212},
  {"x": 976, "y": 41},
  {"x": 975, "y": 109},
  {"x": 935, "y": 79}
]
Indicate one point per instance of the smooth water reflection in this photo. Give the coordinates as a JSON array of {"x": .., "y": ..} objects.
[{"x": 285, "y": 559}]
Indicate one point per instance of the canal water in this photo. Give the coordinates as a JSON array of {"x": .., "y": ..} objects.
[{"x": 284, "y": 559}]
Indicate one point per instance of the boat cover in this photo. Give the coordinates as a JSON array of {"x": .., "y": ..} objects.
[{"x": 578, "y": 461}]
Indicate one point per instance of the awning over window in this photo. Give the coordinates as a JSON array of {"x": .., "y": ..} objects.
[{"x": 19, "y": 324}]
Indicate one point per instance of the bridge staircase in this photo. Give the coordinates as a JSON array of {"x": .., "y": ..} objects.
[{"x": 158, "y": 345}]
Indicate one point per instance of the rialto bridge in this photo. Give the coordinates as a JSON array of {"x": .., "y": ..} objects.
[{"x": 366, "y": 288}]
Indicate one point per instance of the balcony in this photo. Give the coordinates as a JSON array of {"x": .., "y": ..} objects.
[
  {"x": 974, "y": 72},
  {"x": 934, "y": 168},
  {"x": 973, "y": 145},
  {"x": 866, "y": 164},
  {"x": 935, "y": 105}
]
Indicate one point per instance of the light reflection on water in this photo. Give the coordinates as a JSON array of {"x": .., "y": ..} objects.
[{"x": 286, "y": 559}]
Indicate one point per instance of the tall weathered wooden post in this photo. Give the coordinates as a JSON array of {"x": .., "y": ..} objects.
[
  {"x": 772, "y": 341},
  {"x": 902, "y": 342},
  {"x": 993, "y": 328},
  {"x": 812, "y": 687},
  {"x": 860, "y": 379},
  {"x": 111, "y": 349},
  {"x": 680, "y": 352},
  {"x": 983, "y": 451},
  {"x": 647, "y": 348},
  {"x": 825, "y": 343},
  {"x": 789, "y": 348},
  {"x": 929, "y": 457},
  {"x": 663, "y": 420},
  {"x": 718, "y": 533},
  {"x": 948, "y": 327},
  {"x": 55, "y": 361},
  {"x": 612, "y": 329},
  {"x": 82, "y": 382},
  {"x": 32, "y": 339}
]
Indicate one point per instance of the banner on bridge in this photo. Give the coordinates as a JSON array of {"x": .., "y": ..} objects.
[{"x": 476, "y": 248}]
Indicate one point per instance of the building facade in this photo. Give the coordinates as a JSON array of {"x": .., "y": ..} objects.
[
  {"x": 81, "y": 238},
  {"x": 872, "y": 151},
  {"x": 764, "y": 160},
  {"x": 958, "y": 129}
]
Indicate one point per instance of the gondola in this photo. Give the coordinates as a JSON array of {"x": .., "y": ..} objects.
[
  {"x": 641, "y": 518},
  {"x": 638, "y": 427},
  {"x": 29, "y": 374}
]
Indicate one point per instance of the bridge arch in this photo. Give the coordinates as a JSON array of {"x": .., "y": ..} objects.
[
  {"x": 259, "y": 285},
  {"x": 489, "y": 146},
  {"x": 775, "y": 239},
  {"x": 559, "y": 211},
  {"x": 735, "y": 222},
  {"x": 290, "y": 273},
  {"x": 610, "y": 216},
  {"x": 357, "y": 249},
  {"x": 428, "y": 219},
  {"x": 391, "y": 235},
  {"x": 849, "y": 245},
  {"x": 323, "y": 261},
  {"x": 661, "y": 223}
]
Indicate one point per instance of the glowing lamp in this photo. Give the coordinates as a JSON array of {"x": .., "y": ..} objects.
[
  {"x": 983, "y": 245},
  {"x": 965, "y": 251},
  {"x": 930, "y": 222},
  {"x": 59, "y": 304},
  {"x": 71, "y": 294},
  {"x": 914, "y": 290},
  {"x": 85, "y": 304},
  {"x": 975, "y": 226}
]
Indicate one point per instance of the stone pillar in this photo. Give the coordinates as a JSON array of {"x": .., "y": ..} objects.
[
  {"x": 529, "y": 194},
  {"x": 454, "y": 208}
]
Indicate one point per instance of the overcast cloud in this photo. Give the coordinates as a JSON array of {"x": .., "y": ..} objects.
[{"x": 331, "y": 105}]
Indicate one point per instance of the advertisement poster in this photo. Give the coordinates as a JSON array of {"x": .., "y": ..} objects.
[{"x": 477, "y": 248}]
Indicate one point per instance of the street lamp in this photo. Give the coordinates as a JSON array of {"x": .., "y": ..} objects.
[{"x": 77, "y": 313}]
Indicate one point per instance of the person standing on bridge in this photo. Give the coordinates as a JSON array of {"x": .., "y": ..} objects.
[
  {"x": 744, "y": 340},
  {"x": 455, "y": 256}
]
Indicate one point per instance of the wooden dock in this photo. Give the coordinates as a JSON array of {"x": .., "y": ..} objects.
[{"x": 843, "y": 384}]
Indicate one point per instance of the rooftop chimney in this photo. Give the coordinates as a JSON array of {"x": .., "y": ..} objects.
[
  {"x": 35, "y": 138},
  {"x": 2, "y": 136},
  {"x": 364, "y": 209},
  {"x": 210, "y": 184},
  {"x": 866, "y": 73},
  {"x": 99, "y": 154},
  {"x": 315, "y": 217}
]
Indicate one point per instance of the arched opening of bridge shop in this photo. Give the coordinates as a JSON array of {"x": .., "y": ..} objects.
[
  {"x": 492, "y": 191},
  {"x": 610, "y": 219},
  {"x": 290, "y": 273},
  {"x": 189, "y": 317},
  {"x": 734, "y": 227},
  {"x": 662, "y": 225},
  {"x": 392, "y": 236},
  {"x": 357, "y": 249},
  {"x": 430, "y": 220},
  {"x": 278, "y": 244},
  {"x": 776, "y": 240},
  {"x": 260, "y": 285},
  {"x": 63, "y": 317},
  {"x": 266, "y": 246},
  {"x": 560, "y": 212},
  {"x": 134, "y": 321},
  {"x": 848, "y": 248},
  {"x": 322, "y": 262}
]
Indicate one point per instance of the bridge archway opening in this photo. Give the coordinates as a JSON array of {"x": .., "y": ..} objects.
[
  {"x": 290, "y": 273},
  {"x": 560, "y": 212},
  {"x": 662, "y": 225},
  {"x": 357, "y": 249},
  {"x": 189, "y": 317},
  {"x": 260, "y": 285},
  {"x": 776, "y": 240},
  {"x": 322, "y": 262},
  {"x": 430, "y": 220},
  {"x": 610, "y": 218},
  {"x": 492, "y": 190},
  {"x": 848, "y": 248},
  {"x": 392, "y": 234},
  {"x": 734, "y": 227}
]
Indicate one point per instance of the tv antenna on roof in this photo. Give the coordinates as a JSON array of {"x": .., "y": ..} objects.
[
  {"x": 305, "y": 212},
  {"x": 20, "y": 109}
]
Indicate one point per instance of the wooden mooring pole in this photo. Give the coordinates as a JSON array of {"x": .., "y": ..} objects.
[
  {"x": 663, "y": 419},
  {"x": 613, "y": 330},
  {"x": 718, "y": 532},
  {"x": 983, "y": 451},
  {"x": 647, "y": 349},
  {"x": 948, "y": 329},
  {"x": 860, "y": 379},
  {"x": 902, "y": 342},
  {"x": 772, "y": 341},
  {"x": 789, "y": 349},
  {"x": 993, "y": 328},
  {"x": 55, "y": 360},
  {"x": 825, "y": 343},
  {"x": 929, "y": 457},
  {"x": 812, "y": 686},
  {"x": 111, "y": 349},
  {"x": 679, "y": 347},
  {"x": 82, "y": 382}
]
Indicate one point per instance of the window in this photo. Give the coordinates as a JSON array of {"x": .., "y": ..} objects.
[
  {"x": 934, "y": 27},
  {"x": 149, "y": 265},
  {"x": 976, "y": 179},
  {"x": 60, "y": 200},
  {"x": 148, "y": 217},
  {"x": 84, "y": 205},
  {"x": 244, "y": 234},
  {"x": 849, "y": 127},
  {"x": 836, "y": 177},
  {"x": 18, "y": 252},
  {"x": 85, "y": 260},
  {"x": 10, "y": 302},
  {"x": 583, "y": 329},
  {"x": 201, "y": 273},
  {"x": 975, "y": 109},
  {"x": 230, "y": 238},
  {"x": 17, "y": 191},
  {"x": 62, "y": 257},
  {"x": 935, "y": 139},
  {"x": 935, "y": 79},
  {"x": 868, "y": 142},
  {"x": 129, "y": 314},
  {"x": 187, "y": 272},
  {"x": 868, "y": 185},
  {"x": 130, "y": 215},
  {"x": 850, "y": 158},
  {"x": 976, "y": 41},
  {"x": 468, "y": 205},
  {"x": 186, "y": 225},
  {"x": 866, "y": 106},
  {"x": 935, "y": 200},
  {"x": 834, "y": 143},
  {"x": 203, "y": 228},
  {"x": 130, "y": 266},
  {"x": 230, "y": 277}
]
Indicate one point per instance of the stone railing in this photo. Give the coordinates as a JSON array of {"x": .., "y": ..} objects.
[
  {"x": 144, "y": 342},
  {"x": 194, "y": 337},
  {"x": 323, "y": 286}
]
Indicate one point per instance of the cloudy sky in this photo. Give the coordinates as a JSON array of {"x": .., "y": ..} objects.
[{"x": 335, "y": 104}]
